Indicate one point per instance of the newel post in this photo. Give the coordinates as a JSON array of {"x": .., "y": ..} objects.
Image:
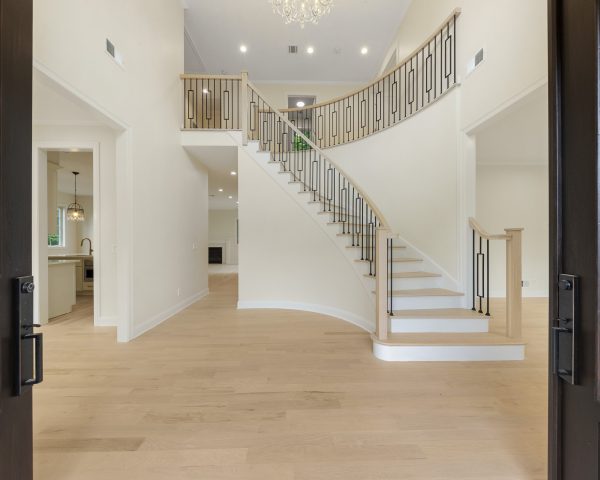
[
  {"x": 381, "y": 265},
  {"x": 514, "y": 278},
  {"x": 244, "y": 107}
]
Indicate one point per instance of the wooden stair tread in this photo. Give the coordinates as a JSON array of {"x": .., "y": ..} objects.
[
  {"x": 444, "y": 339},
  {"x": 411, "y": 275},
  {"x": 398, "y": 260},
  {"x": 441, "y": 313},
  {"x": 426, "y": 292}
]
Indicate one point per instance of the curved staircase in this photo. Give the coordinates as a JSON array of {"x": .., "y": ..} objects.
[{"x": 420, "y": 313}]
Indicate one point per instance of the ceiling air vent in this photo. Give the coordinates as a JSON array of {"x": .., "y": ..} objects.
[
  {"x": 293, "y": 49},
  {"x": 479, "y": 57},
  {"x": 113, "y": 52}
]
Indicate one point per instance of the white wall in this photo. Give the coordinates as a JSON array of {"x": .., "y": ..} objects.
[
  {"x": 412, "y": 174},
  {"x": 161, "y": 193},
  {"x": 286, "y": 260},
  {"x": 516, "y": 196},
  {"x": 222, "y": 228},
  {"x": 276, "y": 94},
  {"x": 513, "y": 34}
]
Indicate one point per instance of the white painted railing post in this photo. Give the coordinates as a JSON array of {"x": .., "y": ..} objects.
[
  {"x": 514, "y": 278},
  {"x": 382, "y": 318},
  {"x": 244, "y": 107}
]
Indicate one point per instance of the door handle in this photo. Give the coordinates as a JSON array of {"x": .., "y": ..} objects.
[
  {"x": 38, "y": 341},
  {"x": 556, "y": 331}
]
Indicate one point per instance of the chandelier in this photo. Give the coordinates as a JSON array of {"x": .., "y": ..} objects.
[
  {"x": 302, "y": 11},
  {"x": 75, "y": 212}
]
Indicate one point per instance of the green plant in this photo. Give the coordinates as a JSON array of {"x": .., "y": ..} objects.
[
  {"x": 53, "y": 240},
  {"x": 299, "y": 143}
]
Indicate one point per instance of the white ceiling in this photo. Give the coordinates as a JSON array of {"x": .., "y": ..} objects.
[
  {"x": 518, "y": 136},
  {"x": 218, "y": 28},
  {"x": 220, "y": 162}
]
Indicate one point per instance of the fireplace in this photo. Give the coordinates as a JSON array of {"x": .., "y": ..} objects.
[{"x": 215, "y": 255}]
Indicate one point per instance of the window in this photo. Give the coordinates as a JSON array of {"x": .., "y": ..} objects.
[{"x": 58, "y": 239}]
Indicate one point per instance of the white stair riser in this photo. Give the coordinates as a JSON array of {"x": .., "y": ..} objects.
[
  {"x": 439, "y": 325},
  {"x": 420, "y": 303},
  {"x": 448, "y": 353}
]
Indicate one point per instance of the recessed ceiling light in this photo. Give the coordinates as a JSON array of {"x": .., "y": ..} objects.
[
  {"x": 300, "y": 104},
  {"x": 243, "y": 48},
  {"x": 233, "y": 173},
  {"x": 229, "y": 197},
  {"x": 310, "y": 50},
  {"x": 74, "y": 150},
  {"x": 220, "y": 189},
  {"x": 364, "y": 50},
  {"x": 237, "y": 203}
]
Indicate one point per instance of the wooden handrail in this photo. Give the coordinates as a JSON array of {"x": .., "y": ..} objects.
[
  {"x": 203, "y": 76},
  {"x": 310, "y": 143},
  {"x": 455, "y": 14},
  {"x": 484, "y": 234}
]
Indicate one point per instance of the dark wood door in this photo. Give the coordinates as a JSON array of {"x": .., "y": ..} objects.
[
  {"x": 15, "y": 226},
  {"x": 574, "y": 425}
]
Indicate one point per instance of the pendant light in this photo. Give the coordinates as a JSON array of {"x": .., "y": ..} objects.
[{"x": 75, "y": 212}]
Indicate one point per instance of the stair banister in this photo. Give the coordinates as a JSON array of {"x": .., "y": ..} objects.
[
  {"x": 309, "y": 142},
  {"x": 481, "y": 273}
]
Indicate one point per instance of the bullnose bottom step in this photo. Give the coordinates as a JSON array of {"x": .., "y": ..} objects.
[{"x": 447, "y": 347}]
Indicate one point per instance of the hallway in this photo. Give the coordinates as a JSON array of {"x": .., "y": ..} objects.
[{"x": 217, "y": 393}]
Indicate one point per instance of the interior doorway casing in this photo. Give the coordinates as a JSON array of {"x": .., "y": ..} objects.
[{"x": 40, "y": 223}]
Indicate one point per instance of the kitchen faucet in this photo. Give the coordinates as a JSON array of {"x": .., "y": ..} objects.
[{"x": 91, "y": 250}]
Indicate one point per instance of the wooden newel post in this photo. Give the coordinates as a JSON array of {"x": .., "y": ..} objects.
[
  {"x": 382, "y": 318},
  {"x": 244, "y": 107},
  {"x": 514, "y": 278}
]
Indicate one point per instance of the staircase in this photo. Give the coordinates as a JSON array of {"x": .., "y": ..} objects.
[{"x": 421, "y": 314}]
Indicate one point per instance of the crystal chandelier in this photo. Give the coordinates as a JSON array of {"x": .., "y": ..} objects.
[
  {"x": 75, "y": 212},
  {"x": 302, "y": 11}
]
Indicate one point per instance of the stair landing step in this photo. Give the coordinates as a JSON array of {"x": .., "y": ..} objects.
[
  {"x": 447, "y": 347},
  {"x": 446, "y": 313}
]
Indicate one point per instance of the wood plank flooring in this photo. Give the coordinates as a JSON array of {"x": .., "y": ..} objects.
[{"x": 216, "y": 393}]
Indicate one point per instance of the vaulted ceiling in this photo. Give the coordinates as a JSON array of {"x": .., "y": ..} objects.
[{"x": 218, "y": 28}]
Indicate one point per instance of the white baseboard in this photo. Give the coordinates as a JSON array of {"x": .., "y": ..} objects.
[
  {"x": 165, "y": 315},
  {"x": 106, "y": 321},
  {"x": 306, "y": 307}
]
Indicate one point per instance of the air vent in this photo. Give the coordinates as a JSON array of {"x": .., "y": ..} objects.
[
  {"x": 113, "y": 52},
  {"x": 479, "y": 57},
  {"x": 475, "y": 61},
  {"x": 293, "y": 49},
  {"x": 110, "y": 48}
]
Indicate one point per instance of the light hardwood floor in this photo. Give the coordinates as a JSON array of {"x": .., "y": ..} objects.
[{"x": 216, "y": 393}]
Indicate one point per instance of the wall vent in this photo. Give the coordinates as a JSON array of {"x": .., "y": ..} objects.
[
  {"x": 475, "y": 61},
  {"x": 479, "y": 57},
  {"x": 110, "y": 48},
  {"x": 293, "y": 49},
  {"x": 113, "y": 52}
]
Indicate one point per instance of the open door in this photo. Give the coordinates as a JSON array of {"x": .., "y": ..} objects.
[
  {"x": 18, "y": 349},
  {"x": 574, "y": 408}
]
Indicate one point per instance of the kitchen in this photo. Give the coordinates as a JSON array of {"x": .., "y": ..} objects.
[{"x": 70, "y": 232}]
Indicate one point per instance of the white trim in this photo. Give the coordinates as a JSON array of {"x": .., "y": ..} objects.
[
  {"x": 477, "y": 124},
  {"x": 189, "y": 38},
  {"x": 107, "y": 321},
  {"x": 307, "y": 307},
  {"x": 448, "y": 353},
  {"x": 166, "y": 314}
]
